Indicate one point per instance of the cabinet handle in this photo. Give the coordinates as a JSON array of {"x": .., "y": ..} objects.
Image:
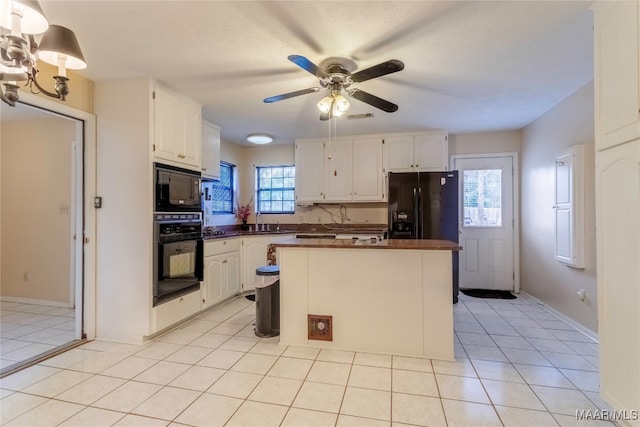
[
  {"x": 411, "y": 165},
  {"x": 417, "y": 165},
  {"x": 204, "y": 169},
  {"x": 181, "y": 299}
]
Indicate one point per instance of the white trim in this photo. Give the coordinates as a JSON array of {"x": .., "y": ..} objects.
[
  {"x": 566, "y": 319},
  {"x": 516, "y": 204},
  {"x": 90, "y": 154},
  {"x": 36, "y": 301}
]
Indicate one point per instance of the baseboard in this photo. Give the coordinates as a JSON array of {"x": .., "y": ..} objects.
[
  {"x": 36, "y": 301},
  {"x": 566, "y": 319}
]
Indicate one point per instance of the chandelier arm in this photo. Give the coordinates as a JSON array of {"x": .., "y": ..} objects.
[
  {"x": 10, "y": 94},
  {"x": 5, "y": 99},
  {"x": 62, "y": 90},
  {"x": 33, "y": 45}
]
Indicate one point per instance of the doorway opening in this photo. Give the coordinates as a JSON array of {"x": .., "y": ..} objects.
[
  {"x": 488, "y": 192},
  {"x": 41, "y": 235}
]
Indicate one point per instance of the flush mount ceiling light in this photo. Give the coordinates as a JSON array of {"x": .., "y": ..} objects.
[
  {"x": 20, "y": 52},
  {"x": 259, "y": 138}
]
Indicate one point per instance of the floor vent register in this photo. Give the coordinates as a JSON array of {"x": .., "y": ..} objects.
[{"x": 320, "y": 327}]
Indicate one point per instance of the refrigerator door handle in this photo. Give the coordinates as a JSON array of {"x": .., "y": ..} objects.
[
  {"x": 420, "y": 217},
  {"x": 416, "y": 215}
]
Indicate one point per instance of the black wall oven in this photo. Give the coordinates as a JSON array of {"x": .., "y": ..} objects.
[
  {"x": 176, "y": 189},
  {"x": 178, "y": 255}
]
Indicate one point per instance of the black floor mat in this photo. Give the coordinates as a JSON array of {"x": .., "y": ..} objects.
[
  {"x": 487, "y": 293},
  {"x": 251, "y": 297}
]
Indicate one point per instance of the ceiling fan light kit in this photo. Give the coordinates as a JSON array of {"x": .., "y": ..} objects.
[
  {"x": 337, "y": 76},
  {"x": 20, "y": 52}
]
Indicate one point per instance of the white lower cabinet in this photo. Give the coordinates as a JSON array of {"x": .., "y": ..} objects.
[
  {"x": 221, "y": 271},
  {"x": 254, "y": 255},
  {"x": 165, "y": 315}
]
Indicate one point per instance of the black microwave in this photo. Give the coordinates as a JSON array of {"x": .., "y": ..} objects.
[{"x": 176, "y": 189}]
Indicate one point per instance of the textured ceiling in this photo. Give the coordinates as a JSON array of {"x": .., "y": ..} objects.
[{"x": 469, "y": 66}]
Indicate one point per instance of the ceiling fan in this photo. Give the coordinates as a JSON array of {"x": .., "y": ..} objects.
[{"x": 336, "y": 75}]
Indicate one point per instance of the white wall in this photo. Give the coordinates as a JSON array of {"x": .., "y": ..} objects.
[
  {"x": 36, "y": 190},
  {"x": 569, "y": 123},
  {"x": 485, "y": 142}
]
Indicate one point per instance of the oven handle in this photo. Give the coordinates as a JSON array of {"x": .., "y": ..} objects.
[{"x": 199, "y": 273}]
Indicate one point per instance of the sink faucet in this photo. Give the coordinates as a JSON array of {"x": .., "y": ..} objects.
[{"x": 259, "y": 220}]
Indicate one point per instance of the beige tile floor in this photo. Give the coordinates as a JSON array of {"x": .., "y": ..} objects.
[
  {"x": 517, "y": 365},
  {"x": 27, "y": 330}
]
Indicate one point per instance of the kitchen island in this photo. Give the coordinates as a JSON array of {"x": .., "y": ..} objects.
[{"x": 389, "y": 296}]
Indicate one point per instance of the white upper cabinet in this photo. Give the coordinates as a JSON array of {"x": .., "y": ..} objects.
[
  {"x": 210, "y": 150},
  {"x": 617, "y": 72},
  {"x": 167, "y": 131},
  {"x": 309, "y": 172},
  {"x": 368, "y": 173},
  {"x": 342, "y": 170},
  {"x": 177, "y": 125},
  {"x": 417, "y": 153},
  {"x": 338, "y": 173},
  {"x": 399, "y": 153}
]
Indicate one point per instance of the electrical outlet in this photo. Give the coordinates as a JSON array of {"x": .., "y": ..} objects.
[{"x": 25, "y": 276}]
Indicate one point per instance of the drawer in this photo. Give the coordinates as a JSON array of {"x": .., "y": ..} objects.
[
  {"x": 216, "y": 247},
  {"x": 174, "y": 311}
]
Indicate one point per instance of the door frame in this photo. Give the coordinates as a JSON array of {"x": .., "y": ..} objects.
[
  {"x": 515, "y": 200},
  {"x": 85, "y": 298}
]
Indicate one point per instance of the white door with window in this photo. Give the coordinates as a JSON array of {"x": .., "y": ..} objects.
[{"x": 487, "y": 222}]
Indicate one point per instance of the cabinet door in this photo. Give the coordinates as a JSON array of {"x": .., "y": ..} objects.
[
  {"x": 254, "y": 255},
  {"x": 309, "y": 171},
  {"x": 167, "y": 131},
  {"x": 191, "y": 148},
  {"x": 232, "y": 273},
  {"x": 569, "y": 208},
  {"x": 338, "y": 171},
  {"x": 210, "y": 150},
  {"x": 367, "y": 170},
  {"x": 617, "y": 76},
  {"x": 618, "y": 242},
  {"x": 430, "y": 153},
  {"x": 399, "y": 153},
  {"x": 213, "y": 280}
]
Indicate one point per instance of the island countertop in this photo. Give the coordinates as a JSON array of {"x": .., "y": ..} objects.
[{"x": 415, "y": 244}]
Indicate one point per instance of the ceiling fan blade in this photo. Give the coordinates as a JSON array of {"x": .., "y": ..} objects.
[
  {"x": 290, "y": 95},
  {"x": 380, "y": 103},
  {"x": 307, "y": 65},
  {"x": 388, "y": 67}
]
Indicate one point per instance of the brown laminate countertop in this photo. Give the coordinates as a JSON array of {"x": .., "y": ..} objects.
[{"x": 422, "y": 245}]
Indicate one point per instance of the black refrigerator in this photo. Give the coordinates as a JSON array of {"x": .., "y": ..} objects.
[{"x": 424, "y": 205}]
